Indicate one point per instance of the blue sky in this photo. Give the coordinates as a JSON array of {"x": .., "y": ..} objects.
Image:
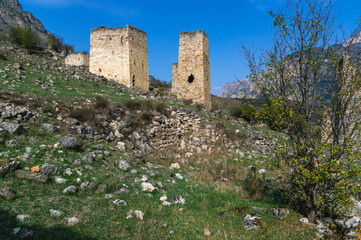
[{"x": 226, "y": 23}]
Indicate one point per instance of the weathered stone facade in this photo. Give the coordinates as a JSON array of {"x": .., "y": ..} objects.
[
  {"x": 77, "y": 59},
  {"x": 120, "y": 54},
  {"x": 191, "y": 75}
]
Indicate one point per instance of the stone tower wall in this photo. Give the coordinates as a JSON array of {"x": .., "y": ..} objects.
[
  {"x": 191, "y": 75},
  {"x": 138, "y": 59},
  {"x": 115, "y": 53},
  {"x": 77, "y": 59}
]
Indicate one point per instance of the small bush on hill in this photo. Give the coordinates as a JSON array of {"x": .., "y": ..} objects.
[
  {"x": 24, "y": 37},
  {"x": 101, "y": 103},
  {"x": 3, "y": 57},
  {"x": 247, "y": 111},
  {"x": 56, "y": 43}
]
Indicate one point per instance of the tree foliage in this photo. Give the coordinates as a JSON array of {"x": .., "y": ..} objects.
[
  {"x": 56, "y": 43},
  {"x": 24, "y": 37},
  {"x": 313, "y": 89}
]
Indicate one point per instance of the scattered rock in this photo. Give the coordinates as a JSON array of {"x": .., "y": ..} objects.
[
  {"x": 119, "y": 202},
  {"x": 12, "y": 127},
  {"x": 88, "y": 159},
  {"x": 139, "y": 214},
  {"x": 178, "y": 200},
  {"x": 68, "y": 142},
  {"x": 174, "y": 166},
  {"x": 12, "y": 166},
  {"x": 23, "y": 217},
  {"x": 278, "y": 212},
  {"x": 50, "y": 128},
  {"x": 124, "y": 165},
  {"x": 60, "y": 180},
  {"x": 32, "y": 176},
  {"x": 122, "y": 190},
  {"x": 7, "y": 193},
  {"x": 70, "y": 189},
  {"x": 23, "y": 232},
  {"x": 178, "y": 176},
  {"x": 147, "y": 187},
  {"x": 166, "y": 203},
  {"x": 252, "y": 221},
  {"x": 49, "y": 169},
  {"x": 102, "y": 188},
  {"x": 73, "y": 221},
  {"x": 55, "y": 213}
]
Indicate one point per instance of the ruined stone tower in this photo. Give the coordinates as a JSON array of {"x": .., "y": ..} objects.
[
  {"x": 191, "y": 75},
  {"x": 120, "y": 54}
]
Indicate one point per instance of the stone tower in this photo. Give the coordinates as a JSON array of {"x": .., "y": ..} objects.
[
  {"x": 191, "y": 75},
  {"x": 120, "y": 54}
]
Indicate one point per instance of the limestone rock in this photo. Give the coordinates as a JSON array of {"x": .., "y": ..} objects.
[
  {"x": 178, "y": 200},
  {"x": 32, "y": 176},
  {"x": 49, "y": 169},
  {"x": 147, "y": 187},
  {"x": 55, "y": 213},
  {"x": 70, "y": 189},
  {"x": 252, "y": 221},
  {"x": 7, "y": 193},
  {"x": 12, "y": 166},
  {"x": 73, "y": 221},
  {"x": 11, "y": 127},
  {"x": 139, "y": 214},
  {"x": 68, "y": 142},
  {"x": 124, "y": 165},
  {"x": 50, "y": 128},
  {"x": 119, "y": 202},
  {"x": 278, "y": 212},
  {"x": 88, "y": 159}
]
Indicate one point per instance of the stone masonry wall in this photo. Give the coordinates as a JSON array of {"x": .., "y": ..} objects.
[
  {"x": 191, "y": 75},
  {"x": 120, "y": 54},
  {"x": 77, "y": 59}
]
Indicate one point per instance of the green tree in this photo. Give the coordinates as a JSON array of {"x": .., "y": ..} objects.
[
  {"x": 313, "y": 90},
  {"x": 24, "y": 37}
]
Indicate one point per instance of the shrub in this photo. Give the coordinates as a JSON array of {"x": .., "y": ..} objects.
[
  {"x": 24, "y": 37},
  {"x": 101, "y": 103},
  {"x": 133, "y": 104},
  {"x": 3, "y": 57},
  {"x": 56, "y": 43},
  {"x": 247, "y": 112},
  {"x": 83, "y": 114}
]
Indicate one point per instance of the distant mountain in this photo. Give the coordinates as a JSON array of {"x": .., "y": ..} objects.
[
  {"x": 12, "y": 14},
  {"x": 246, "y": 89},
  {"x": 239, "y": 89}
]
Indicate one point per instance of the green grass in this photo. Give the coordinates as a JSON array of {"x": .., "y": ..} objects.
[{"x": 205, "y": 193}]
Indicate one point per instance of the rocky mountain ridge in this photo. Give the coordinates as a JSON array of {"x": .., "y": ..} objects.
[
  {"x": 244, "y": 88},
  {"x": 12, "y": 14}
]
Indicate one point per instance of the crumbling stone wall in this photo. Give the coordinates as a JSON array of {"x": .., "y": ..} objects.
[
  {"x": 120, "y": 54},
  {"x": 77, "y": 59},
  {"x": 191, "y": 75}
]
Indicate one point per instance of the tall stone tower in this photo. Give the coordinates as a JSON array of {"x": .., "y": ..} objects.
[
  {"x": 191, "y": 75},
  {"x": 120, "y": 54}
]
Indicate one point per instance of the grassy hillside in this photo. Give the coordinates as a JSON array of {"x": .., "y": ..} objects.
[{"x": 212, "y": 185}]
